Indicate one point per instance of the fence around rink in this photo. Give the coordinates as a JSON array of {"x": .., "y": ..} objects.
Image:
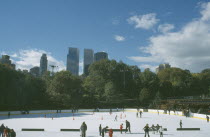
[{"x": 178, "y": 113}]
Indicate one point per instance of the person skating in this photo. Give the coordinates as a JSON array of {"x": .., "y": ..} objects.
[
  {"x": 110, "y": 132},
  {"x": 157, "y": 127},
  {"x": 100, "y": 129},
  {"x": 83, "y": 129},
  {"x": 146, "y": 130},
  {"x": 2, "y": 130},
  {"x": 207, "y": 118},
  {"x": 180, "y": 123},
  {"x": 140, "y": 113},
  {"x": 153, "y": 129},
  {"x": 115, "y": 118},
  {"x": 104, "y": 130},
  {"x": 6, "y": 129},
  {"x": 161, "y": 131},
  {"x": 137, "y": 114},
  {"x": 121, "y": 127},
  {"x": 128, "y": 126},
  {"x": 13, "y": 133}
]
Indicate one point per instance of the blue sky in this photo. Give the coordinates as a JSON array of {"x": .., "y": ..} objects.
[{"x": 138, "y": 32}]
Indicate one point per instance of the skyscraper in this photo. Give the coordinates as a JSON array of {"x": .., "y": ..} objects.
[
  {"x": 6, "y": 61},
  {"x": 100, "y": 55},
  {"x": 162, "y": 67},
  {"x": 88, "y": 59},
  {"x": 43, "y": 64},
  {"x": 73, "y": 61}
]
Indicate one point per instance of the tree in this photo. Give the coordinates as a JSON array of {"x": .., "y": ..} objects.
[
  {"x": 65, "y": 89},
  {"x": 144, "y": 95}
]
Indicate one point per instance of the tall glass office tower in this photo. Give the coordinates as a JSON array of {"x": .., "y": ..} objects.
[
  {"x": 88, "y": 60},
  {"x": 73, "y": 61},
  {"x": 43, "y": 64}
]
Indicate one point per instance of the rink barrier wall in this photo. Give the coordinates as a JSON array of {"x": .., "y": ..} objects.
[{"x": 38, "y": 112}]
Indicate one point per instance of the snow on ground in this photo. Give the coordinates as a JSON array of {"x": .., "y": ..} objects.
[{"x": 65, "y": 120}]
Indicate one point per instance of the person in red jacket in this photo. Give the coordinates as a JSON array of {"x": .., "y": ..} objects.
[
  {"x": 110, "y": 132},
  {"x": 121, "y": 127}
]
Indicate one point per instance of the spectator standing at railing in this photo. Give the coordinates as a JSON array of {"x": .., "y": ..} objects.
[{"x": 207, "y": 118}]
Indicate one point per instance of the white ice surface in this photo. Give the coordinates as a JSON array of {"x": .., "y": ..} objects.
[{"x": 52, "y": 127}]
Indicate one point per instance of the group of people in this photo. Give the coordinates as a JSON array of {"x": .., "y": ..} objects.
[
  {"x": 6, "y": 132},
  {"x": 139, "y": 114},
  {"x": 153, "y": 128}
]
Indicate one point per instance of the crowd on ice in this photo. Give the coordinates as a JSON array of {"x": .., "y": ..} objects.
[{"x": 6, "y": 132}]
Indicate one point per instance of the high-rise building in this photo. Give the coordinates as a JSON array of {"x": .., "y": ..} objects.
[
  {"x": 100, "y": 55},
  {"x": 162, "y": 67},
  {"x": 6, "y": 60},
  {"x": 34, "y": 71},
  {"x": 88, "y": 59},
  {"x": 43, "y": 64},
  {"x": 73, "y": 61}
]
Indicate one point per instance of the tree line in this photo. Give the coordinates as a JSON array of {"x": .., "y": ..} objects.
[{"x": 108, "y": 84}]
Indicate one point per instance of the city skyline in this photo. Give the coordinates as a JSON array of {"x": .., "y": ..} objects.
[{"x": 142, "y": 33}]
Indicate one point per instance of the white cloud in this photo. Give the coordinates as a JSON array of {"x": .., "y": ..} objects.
[
  {"x": 119, "y": 38},
  {"x": 146, "y": 21},
  {"x": 164, "y": 28},
  {"x": 205, "y": 12},
  {"x": 188, "y": 48},
  {"x": 26, "y": 59}
]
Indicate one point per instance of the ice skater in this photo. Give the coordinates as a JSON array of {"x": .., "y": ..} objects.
[
  {"x": 157, "y": 128},
  {"x": 140, "y": 113},
  {"x": 100, "y": 129},
  {"x": 180, "y": 123},
  {"x": 153, "y": 128},
  {"x": 121, "y": 127},
  {"x": 115, "y": 118},
  {"x": 137, "y": 114},
  {"x": 104, "y": 130},
  {"x": 83, "y": 129},
  {"x": 146, "y": 130},
  {"x": 110, "y": 132},
  {"x": 161, "y": 131},
  {"x": 128, "y": 126},
  {"x": 2, "y": 130}
]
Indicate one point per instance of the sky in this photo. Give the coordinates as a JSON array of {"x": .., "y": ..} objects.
[{"x": 144, "y": 33}]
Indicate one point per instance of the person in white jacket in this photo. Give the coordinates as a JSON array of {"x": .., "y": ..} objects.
[{"x": 161, "y": 131}]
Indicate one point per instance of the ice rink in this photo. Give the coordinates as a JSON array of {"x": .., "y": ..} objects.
[{"x": 66, "y": 120}]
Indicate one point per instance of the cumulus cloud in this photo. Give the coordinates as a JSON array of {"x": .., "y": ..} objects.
[
  {"x": 146, "y": 21},
  {"x": 164, "y": 28},
  {"x": 26, "y": 59},
  {"x": 119, "y": 38},
  {"x": 187, "y": 48}
]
